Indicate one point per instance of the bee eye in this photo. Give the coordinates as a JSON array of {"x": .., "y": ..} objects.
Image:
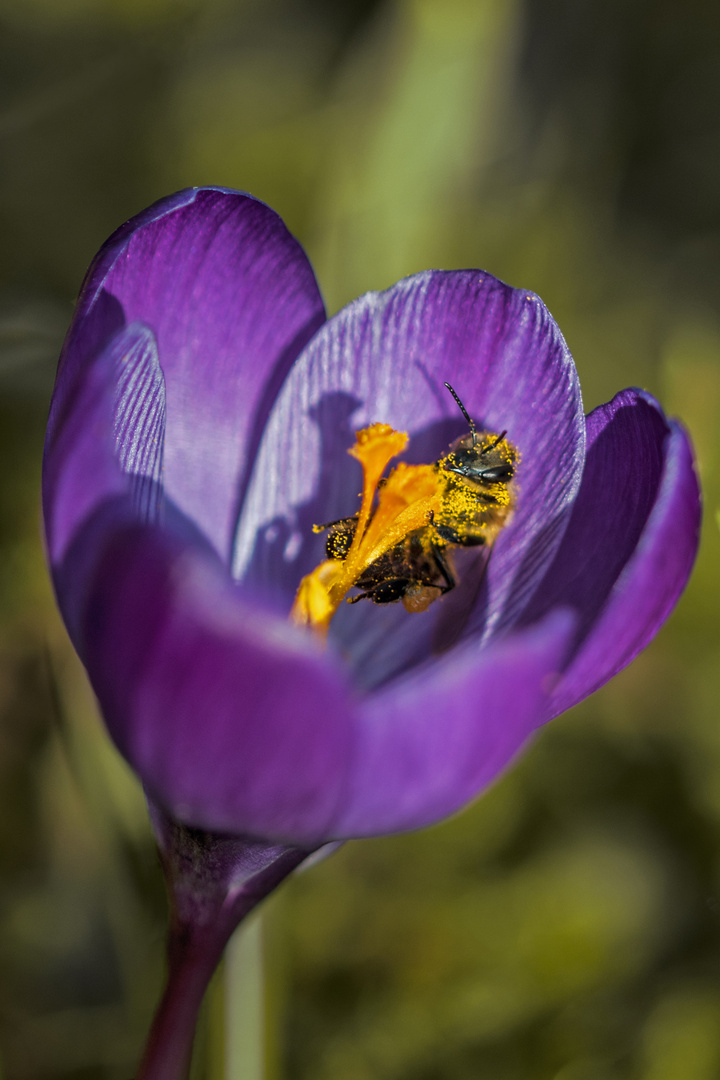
[{"x": 500, "y": 472}]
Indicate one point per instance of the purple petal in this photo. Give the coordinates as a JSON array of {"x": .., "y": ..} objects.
[
  {"x": 231, "y": 299},
  {"x": 95, "y": 436},
  {"x": 434, "y": 740},
  {"x": 385, "y": 358},
  {"x": 139, "y": 422},
  {"x": 630, "y": 545},
  {"x": 235, "y": 720}
]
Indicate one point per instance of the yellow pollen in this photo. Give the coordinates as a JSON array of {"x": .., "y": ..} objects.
[{"x": 405, "y": 501}]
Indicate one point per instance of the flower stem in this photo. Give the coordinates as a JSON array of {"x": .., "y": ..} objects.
[
  {"x": 191, "y": 963},
  {"x": 214, "y": 881}
]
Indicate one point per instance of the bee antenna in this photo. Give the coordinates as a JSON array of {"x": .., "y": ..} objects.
[
  {"x": 463, "y": 410},
  {"x": 494, "y": 443}
]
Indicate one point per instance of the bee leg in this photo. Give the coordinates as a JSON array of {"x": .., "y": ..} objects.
[
  {"x": 451, "y": 536},
  {"x": 385, "y": 592},
  {"x": 444, "y": 532},
  {"x": 444, "y": 569},
  {"x": 440, "y": 562}
]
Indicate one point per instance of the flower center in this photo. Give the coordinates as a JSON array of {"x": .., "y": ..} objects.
[{"x": 399, "y": 544}]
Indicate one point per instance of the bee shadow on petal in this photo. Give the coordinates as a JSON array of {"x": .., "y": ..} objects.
[{"x": 286, "y": 547}]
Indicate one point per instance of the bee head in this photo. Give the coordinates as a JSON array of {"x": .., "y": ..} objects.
[{"x": 487, "y": 458}]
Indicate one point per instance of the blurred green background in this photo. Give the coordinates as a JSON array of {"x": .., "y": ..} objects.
[{"x": 567, "y": 927}]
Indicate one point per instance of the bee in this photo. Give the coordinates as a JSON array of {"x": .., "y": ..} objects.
[{"x": 475, "y": 479}]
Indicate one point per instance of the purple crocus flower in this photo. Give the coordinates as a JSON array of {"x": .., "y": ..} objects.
[{"x": 199, "y": 427}]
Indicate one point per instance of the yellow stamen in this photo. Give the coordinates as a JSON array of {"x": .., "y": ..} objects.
[
  {"x": 405, "y": 502},
  {"x": 374, "y": 448},
  {"x": 312, "y": 606}
]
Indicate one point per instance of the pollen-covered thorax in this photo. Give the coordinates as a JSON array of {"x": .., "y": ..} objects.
[
  {"x": 400, "y": 544},
  {"x": 478, "y": 493}
]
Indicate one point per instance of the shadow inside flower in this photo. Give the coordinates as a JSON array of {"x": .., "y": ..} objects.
[{"x": 285, "y": 549}]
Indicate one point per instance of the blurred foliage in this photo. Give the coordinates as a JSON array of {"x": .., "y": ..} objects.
[{"x": 567, "y": 927}]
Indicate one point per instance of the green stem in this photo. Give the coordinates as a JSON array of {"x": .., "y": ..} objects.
[{"x": 244, "y": 1004}]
